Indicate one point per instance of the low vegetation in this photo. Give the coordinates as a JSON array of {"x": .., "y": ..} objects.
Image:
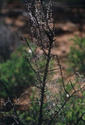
[{"x": 77, "y": 55}]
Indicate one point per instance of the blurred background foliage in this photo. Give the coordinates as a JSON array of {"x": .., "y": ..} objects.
[
  {"x": 77, "y": 55},
  {"x": 17, "y": 73}
]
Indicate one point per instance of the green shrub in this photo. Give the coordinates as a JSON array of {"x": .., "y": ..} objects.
[
  {"x": 77, "y": 55},
  {"x": 72, "y": 113},
  {"x": 17, "y": 73}
]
